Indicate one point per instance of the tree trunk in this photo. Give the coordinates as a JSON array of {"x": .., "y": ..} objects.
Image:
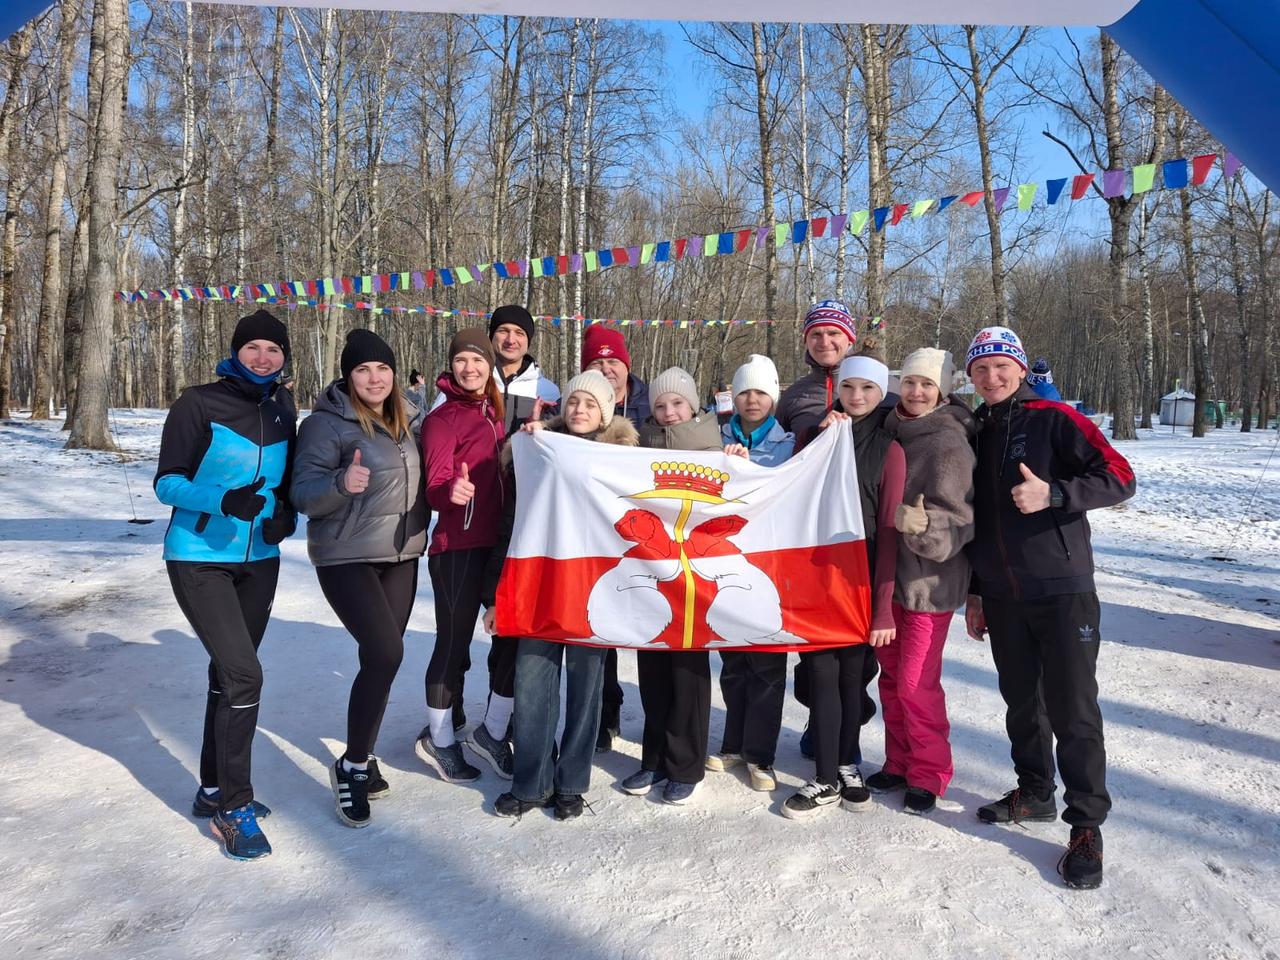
[
  {"x": 51, "y": 294},
  {"x": 1197, "y": 329},
  {"x": 988, "y": 184},
  {"x": 566, "y": 158},
  {"x": 92, "y": 395},
  {"x": 846, "y": 160},
  {"x": 174, "y": 338},
  {"x": 19, "y": 51},
  {"x": 1242, "y": 309},
  {"x": 876, "y": 101},
  {"x": 811, "y": 277},
  {"x": 1144, "y": 276},
  {"x": 766, "y": 183}
]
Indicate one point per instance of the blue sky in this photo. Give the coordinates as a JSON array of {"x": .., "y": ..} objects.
[{"x": 691, "y": 82}]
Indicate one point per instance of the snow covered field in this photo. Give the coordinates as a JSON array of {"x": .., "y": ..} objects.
[{"x": 101, "y": 695}]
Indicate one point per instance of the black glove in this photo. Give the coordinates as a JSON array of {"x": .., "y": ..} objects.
[
  {"x": 281, "y": 524},
  {"x": 244, "y": 503}
]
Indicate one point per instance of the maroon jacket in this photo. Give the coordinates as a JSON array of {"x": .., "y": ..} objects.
[{"x": 463, "y": 430}]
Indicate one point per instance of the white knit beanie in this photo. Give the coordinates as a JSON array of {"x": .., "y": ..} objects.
[
  {"x": 864, "y": 368},
  {"x": 674, "y": 380},
  {"x": 594, "y": 382},
  {"x": 932, "y": 364},
  {"x": 758, "y": 373}
]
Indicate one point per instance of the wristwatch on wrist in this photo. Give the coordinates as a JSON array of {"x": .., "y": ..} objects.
[{"x": 1057, "y": 497}]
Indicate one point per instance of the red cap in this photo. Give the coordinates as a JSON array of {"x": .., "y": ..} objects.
[{"x": 600, "y": 342}]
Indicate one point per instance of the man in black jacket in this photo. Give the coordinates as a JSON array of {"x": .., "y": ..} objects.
[{"x": 1041, "y": 466}]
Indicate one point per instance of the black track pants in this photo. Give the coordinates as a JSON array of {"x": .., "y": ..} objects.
[{"x": 456, "y": 578}]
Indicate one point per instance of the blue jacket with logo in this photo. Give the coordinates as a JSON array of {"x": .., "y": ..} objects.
[{"x": 219, "y": 436}]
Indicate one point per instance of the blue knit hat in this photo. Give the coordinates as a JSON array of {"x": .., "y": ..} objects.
[
  {"x": 991, "y": 341},
  {"x": 1040, "y": 372}
]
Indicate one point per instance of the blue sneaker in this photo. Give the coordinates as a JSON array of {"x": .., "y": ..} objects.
[
  {"x": 205, "y": 805},
  {"x": 679, "y": 793},
  {"x": 242, "y": 838},
  {"x": 640, "y": 782}
]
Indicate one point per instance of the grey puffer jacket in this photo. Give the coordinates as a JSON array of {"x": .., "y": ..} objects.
[
  {"x": 388, "y": 522},
  {"x": 700, "y": 433},
  {"x": 933, "y": 570}
]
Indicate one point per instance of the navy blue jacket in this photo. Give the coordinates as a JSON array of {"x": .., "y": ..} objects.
[{"x": 219, "y": 436}]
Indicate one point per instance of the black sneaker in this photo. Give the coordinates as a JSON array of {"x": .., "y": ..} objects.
[
  {"x": 568, "y": 806},
  {"x": 205, "y": 805},
  {"x": 509, "y": 805},
  {"x": 1017, "y": 806},
  {"x": 854, "y": 794},
  {"x": 809, "y": 800},
  {"x": 446, "y": 761},
  {"x": 378, "y": 787},
  {"x": 351, "y": 792},
  {"x": 1081, "y": 864},
  {"x": 495, "y": 752},
  {"x": 884, "y": 782},
  {"x": 919, "y": 801}
]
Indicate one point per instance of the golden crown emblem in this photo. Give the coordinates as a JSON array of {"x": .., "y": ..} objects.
[{"x": 673, "y": 480}]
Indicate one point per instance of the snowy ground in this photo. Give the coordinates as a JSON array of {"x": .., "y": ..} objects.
[{"x": 100, "y": 707}]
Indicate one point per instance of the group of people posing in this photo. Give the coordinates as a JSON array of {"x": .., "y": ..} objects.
[{"x": 985, "y": 511}]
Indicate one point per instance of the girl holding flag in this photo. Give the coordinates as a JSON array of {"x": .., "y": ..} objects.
[
  {"x": 836, "y": 676},
  {"x": 675, "y": 687}
]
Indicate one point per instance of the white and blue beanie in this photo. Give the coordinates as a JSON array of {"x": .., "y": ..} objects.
[
  {"x": 1040, "y": 372},
  {"x": 991, "y": 341}
]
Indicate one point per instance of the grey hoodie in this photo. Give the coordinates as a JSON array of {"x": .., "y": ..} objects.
[{"x": 388, "y": 522}]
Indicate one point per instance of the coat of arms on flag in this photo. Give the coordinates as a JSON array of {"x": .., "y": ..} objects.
[{"x": 680, "y": 550}]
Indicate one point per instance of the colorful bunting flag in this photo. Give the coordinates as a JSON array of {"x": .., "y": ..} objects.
[
  {"x": 1144, "y": 177},
  {"x": 1200, "y": 167},
  {"x": 1026, "y": 195},
  {"x": 1081, "y": 184},
  {"x": 1054, "y": 189},
  {"x": 858, "y": 222},
  {"x": 920, "y": 208},
  {"x": 999, "y": 196},
  {"x": 973, "y": 197},
  {"x": 880, "y": 214}
]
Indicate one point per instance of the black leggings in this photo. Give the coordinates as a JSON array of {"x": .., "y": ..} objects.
[
  {"x": 456, "y": 578},
  {"x": 836, "y": 689},
  {"x": 228, "y": 605},
  {"x": 373, "y": 601}
]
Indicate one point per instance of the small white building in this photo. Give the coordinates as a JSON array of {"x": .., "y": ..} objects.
[{"x": 1177, "y": 409}]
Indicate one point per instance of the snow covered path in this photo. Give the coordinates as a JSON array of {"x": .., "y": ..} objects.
[{"x": 101, "y": 696}]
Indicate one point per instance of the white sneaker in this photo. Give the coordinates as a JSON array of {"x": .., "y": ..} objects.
[
  {"x": 720, "y": 762},
  {"x": 762, "y": 778}
]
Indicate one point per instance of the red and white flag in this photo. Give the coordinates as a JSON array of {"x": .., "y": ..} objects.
[{"x": 682, "y": 550}]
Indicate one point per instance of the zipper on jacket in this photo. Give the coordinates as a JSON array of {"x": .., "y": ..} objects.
[
  {"x": 1061, "y": 536},
  {"x": 995, "y": 484},
  {"x": 262, "y": 436},
  {"x": 404, "y": 522}
]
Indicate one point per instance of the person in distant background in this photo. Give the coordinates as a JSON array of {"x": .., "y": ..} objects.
[{"x": 1040, "y": 379}]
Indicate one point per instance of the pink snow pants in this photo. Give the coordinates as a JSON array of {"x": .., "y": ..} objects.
[{"x": 916, "y": 730}]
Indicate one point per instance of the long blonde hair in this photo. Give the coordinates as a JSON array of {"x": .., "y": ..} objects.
[{"x": 394, "y": 417}]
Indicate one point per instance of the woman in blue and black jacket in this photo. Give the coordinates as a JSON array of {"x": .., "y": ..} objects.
[{"x": 225, "y": 458}]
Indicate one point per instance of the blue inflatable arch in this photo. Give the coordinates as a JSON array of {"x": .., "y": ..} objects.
[{"x": 1219, "y": 58}]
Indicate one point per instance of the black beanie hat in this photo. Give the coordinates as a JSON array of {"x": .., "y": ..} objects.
[
  {"x": 515, "y": 314},
  {"x": 260, "y": 326},
  {"x": 365, "y": 346}
]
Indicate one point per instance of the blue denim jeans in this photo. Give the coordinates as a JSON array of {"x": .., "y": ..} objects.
[{"x": 538, "y": 773}]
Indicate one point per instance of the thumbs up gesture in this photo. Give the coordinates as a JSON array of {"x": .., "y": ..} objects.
[
  {"x": 463, "y": 489},
  {"x": 1032, "y": 495},
  {"x": 244, "y": 503},
  {"x": 911, "y": 518},
  {"x": 355, "y": 479}
]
